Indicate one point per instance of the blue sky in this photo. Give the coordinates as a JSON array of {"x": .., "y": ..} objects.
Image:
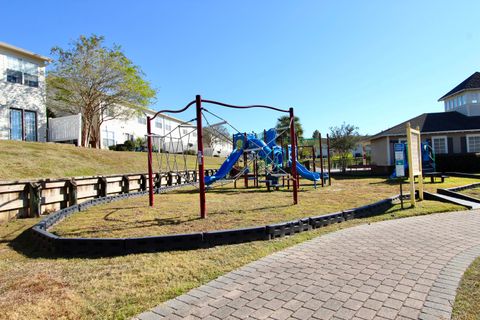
[{"x": 368, "y": 63}]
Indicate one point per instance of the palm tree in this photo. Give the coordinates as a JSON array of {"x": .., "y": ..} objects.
[{"x": 284, "y": 122}]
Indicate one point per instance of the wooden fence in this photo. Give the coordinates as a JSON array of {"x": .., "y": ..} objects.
[{"x": 33, "y": 198}]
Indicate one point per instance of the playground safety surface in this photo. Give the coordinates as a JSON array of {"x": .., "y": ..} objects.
[{"x": 398, "y": 269}]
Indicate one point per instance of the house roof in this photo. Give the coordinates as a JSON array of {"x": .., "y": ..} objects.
[
  {"x": 24, "y": 52},
  {"x": 164, "y": 115},
  {"x": 472, "y": 82},
  {"x": 434, "y": 122}
]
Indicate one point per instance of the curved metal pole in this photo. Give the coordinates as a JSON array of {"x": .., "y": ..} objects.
[
  {"x": 191, "y": 103},
  {"x": 294, "y": 156},
  {"x": 150, "y": 170},
  {"x": 244, "y": 107}
]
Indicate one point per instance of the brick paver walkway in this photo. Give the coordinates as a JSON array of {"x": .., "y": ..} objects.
[{"x": 398, "y": 269}]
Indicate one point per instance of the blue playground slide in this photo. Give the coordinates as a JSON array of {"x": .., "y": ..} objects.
[
  {"x": 302, "y": 171},
  {"x": 305, "y": 173},
  {"x": 225, "y": 167}
]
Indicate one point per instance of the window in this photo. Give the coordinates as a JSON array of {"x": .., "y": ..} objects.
[
  {"x": 473, "y": 143},
  {"x": 142, "y": 120},
  {"x": 108, "y": 138},
  {"x": 168, "y": 127},
  {"x": 14, "y": 76},
  {"x": 474, "y": 98},
  {"x": 464, "y": 99},
  {"x": 30, "y": 126},
  {"x": 184, "y": 131},
  {"x": 158, "y": 123},
  {"x": 23, "y": 125},
  {"x": 128, "y": 137},
  {"x": 16, "y": 124},
  {"x": 439, "y": 145},
  {"x": 22, "y": 72}
]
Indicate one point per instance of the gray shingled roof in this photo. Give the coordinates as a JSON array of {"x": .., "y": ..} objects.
[
  {"x": 472, "y": 82},
  {"x": 434, "y": 122}
]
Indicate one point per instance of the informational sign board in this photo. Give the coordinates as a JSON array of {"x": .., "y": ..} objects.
[
  {"x": 414, "y": 142},
  {"x": 399, "y": 160},
  {"x": 416, "y": 157}
]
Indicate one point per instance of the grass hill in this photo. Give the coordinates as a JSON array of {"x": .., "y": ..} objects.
[{"x": 33, "y": 160}]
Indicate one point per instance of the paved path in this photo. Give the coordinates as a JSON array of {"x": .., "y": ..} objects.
[{"x": 398, "y": 269}]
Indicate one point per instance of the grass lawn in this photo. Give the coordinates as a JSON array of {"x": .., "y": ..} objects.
[
  {"x": 120, "y": 287},
  {"x": 228, "y": 208},
  {"x": 474, "y": 192},
  {"x": 467, "y": 301},
  {"x": 33, "y": 160}
]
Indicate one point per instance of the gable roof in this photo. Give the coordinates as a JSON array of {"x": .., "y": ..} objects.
[
  {"x": 24, "y": 52},
  {"x": 472, "y": 82},
  {"x": 434, "y": 122}
]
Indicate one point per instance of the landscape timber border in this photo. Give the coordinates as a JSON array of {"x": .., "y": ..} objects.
[{"x": 49, "y": 243}]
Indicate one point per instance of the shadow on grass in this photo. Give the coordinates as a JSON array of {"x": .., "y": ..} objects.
[{"x": 25, "y": 245}]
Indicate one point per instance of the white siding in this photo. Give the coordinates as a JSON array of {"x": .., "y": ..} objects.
[{"x": 19, "y": 96}]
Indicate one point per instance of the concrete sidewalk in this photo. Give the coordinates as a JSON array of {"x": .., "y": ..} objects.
[{"x": 398, "y": 269}]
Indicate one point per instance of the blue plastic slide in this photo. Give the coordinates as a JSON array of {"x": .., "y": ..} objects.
[
  {"x": 302, "y": 171},
  {"x": 225, "y": 167},
  {"x": 307, "y": 174}
]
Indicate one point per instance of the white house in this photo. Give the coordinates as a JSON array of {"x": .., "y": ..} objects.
[
  {"x": 168, "y": 131},
  {"x": 23, "y": 113},
  {"x": 220, "y": 148}
]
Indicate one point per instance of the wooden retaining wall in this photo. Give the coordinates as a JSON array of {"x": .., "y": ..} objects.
[{"x": 20, "y": 199}]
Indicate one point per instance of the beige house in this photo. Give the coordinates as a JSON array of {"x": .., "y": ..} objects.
[
  {"x": 23, "y": 114},
  {"x": 454, "y": 131}
]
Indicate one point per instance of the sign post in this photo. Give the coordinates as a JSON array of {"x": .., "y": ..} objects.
[
  {"x": 400, "y": 166},
  {"x": 414, "y": 142}
]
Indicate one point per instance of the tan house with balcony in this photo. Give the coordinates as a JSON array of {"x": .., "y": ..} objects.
[
  {"x": 455, "y": 131},
  {"x": 23, "y": 113}
]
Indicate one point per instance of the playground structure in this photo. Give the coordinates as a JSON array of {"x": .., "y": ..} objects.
[{"x": 278, "y": 162}]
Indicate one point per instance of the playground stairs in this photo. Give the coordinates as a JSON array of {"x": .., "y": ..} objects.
[{"x": 451, "y": 199}]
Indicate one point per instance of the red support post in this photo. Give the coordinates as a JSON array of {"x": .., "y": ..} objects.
[
  {"x": 313, "y": 159},
  {"x": 329, "y": 164},
  {"x": 150, "y": 170},
  {"x": 245, "y": 164},
  {"x": 321, "y": 157},
  {"x": 294, "y": 156},
  {"x": 298, "y": 151},
  {"x": 201, "y": 166}
]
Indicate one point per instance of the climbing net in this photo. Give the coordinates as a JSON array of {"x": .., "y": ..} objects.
[{"x": 174, "y": 150}]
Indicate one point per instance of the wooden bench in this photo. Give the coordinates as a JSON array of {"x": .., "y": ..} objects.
[{"x": 434, "y": 175}]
